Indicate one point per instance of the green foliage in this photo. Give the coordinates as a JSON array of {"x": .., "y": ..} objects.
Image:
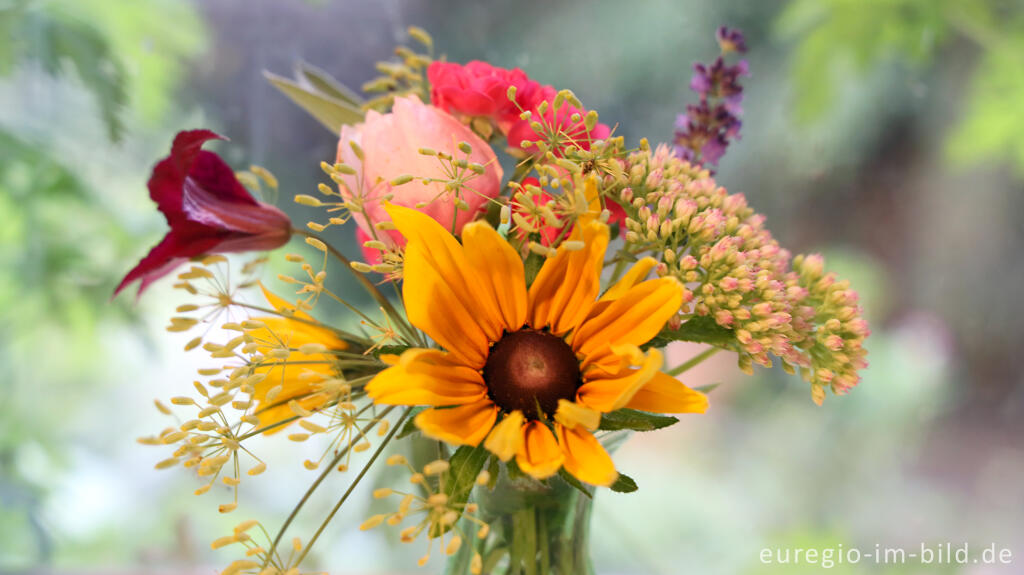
[
  {"x": 464, "y": 468},
  {"x": 321, "y": 96},
  {"x": 409, "y": 427},
  {"x": 121, "y": 50},
  {"x": 834, "y": 36},
  {"x": 635, "y": 420},
  {"x": 700, "y": 329},
  {"x": 993, "y": 127},
  {"x": 624, "y": 484},
  {"x": 153, "y": 40},
  {"x": 53, "y": 42},
  {"x": 574, "y": 483},
  {"x": 56, "y": 239}
]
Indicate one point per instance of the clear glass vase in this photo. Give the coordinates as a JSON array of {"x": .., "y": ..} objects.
[{"x": 534, "y": 529}]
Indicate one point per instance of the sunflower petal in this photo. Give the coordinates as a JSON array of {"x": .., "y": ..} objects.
[
  {"x": 666, "y": 394},
  {"x": 567, "y": 284},
  {"x": 633, "y": 319},
  {"x": 585, "y": 457},
  {"x": 572, "y": 415},
  {"x": 427, "y": 377},
  {"x": 539, "y": 455},
  {"x": 608, "y": 392},
  {"x": 443, "y": 314},
  {"x": 506, "y": 439},
  {"x": 501, "y": 270},
  {"x": 463, "y": 425},
  {"x": 634, "y": 276},
  {"x": 441, "y": 259}
]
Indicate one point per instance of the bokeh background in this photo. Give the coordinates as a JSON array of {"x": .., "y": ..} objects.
[{"x": 886, "y": 134}]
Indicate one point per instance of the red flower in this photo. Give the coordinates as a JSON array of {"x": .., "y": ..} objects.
[
  {"x": 560, "y": 122},
  {"x": 477, "y": 89},
  {"x": 207, "y": 208},
  {"x": 548, "y": 234}
]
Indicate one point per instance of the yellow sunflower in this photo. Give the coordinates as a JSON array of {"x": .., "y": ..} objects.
[
  {"x": 300, "y": 374},
  {"x": 529, "y": 372}
]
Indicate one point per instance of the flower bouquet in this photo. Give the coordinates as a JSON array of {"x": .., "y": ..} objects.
[{"x": 518, "y": 322}]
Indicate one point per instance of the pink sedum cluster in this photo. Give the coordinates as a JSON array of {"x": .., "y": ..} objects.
[{"x": 740, "y": 277}]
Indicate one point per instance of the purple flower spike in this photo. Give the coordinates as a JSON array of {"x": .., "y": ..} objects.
[
  {"x": 704, "y": 132},
  {"x": 731, "y": 40}
]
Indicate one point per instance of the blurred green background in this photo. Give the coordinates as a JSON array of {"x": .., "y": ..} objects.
[{"x": 887, "y": 134}]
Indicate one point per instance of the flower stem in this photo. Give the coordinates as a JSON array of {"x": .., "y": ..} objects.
[
  {"x": 342, "y": 333},
  {"x": 368, "y": 285},
  {"x": 693, "y": 361},
  {"x": 380, "y": 449},
  {"x": 323, "y": 475}
]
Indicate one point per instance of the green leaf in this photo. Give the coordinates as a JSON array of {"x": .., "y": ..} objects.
[
  {"x": 987, "y": 131},
  {"x": 330, "y": 112},
  {"x": 494, "y": 470},
  {"x": 635, "y": 420},
  {"x": 624, "y": 484},
  {"x": 310, "y": 76},
  {"x": 409, "y": 427},
  {"x": 390, "y": 350},
  {"x": 463, "y": 468},
  {"x": 571, "y": 480},
  {"x": 707, "y": 388},
  {"x": 701, "y": 329},
  {"x": 532, "y": 266}
]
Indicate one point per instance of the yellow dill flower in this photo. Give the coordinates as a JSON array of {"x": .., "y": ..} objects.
[
  {"x": 297, "y": 359},
  {"x": 548, "y": 360}
]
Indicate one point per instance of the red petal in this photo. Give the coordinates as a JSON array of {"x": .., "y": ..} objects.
[{"x": 172, "y": 251}]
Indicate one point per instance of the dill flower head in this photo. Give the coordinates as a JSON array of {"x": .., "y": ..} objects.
[{"x": 529, "y": 372}]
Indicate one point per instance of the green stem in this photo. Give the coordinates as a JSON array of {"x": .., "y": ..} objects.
[
  {"x": 342, "y": 333},
  {"x": 380, "y": 449},
  {"x": 323, "y": 475},
  {"x": 368, "y": 285},
  {"x": 693, "y": 361},
  {"x": 620, "y": 266}
]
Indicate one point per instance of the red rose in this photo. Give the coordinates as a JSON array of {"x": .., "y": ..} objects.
[
  {"x": 558, "y": 121},
  {"x": 478, "y": 89}
]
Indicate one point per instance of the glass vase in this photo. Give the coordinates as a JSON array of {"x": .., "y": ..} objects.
[{"x": 535, "y": 528}]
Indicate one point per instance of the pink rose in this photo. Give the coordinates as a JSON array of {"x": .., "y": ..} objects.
[{"x": 390, "y": 144}]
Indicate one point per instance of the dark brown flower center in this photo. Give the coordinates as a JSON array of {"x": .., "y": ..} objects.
[{"x": 528, "y": 368}]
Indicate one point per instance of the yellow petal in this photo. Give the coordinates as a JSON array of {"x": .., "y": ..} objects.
[
  {"x": 608, "y": 392},
  {"x": 506, "y": 439},
  {"x": 444, "y": 315},
  {"x": 633, "y": 319},
  {"x": 282, "y": 306},
  {"x": 572, "y": 415},
  {"x": 278, "y": 411},
  {"x": 446, "y": 260},
  {"x": 540, "y": 455},
  {"x": 427, "y": 377},
  {"x": 567, "y": 284},
  {"x": 666, "y": 394},
  {"x": 500, "y": 269},
  {"x": 279, "y": 303},
  {"x": 462, "y": 425},
  {"x": 634, "y": 276},
  {"x": 585, "y": 457},
  {"x": 593, "y": 198}
]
